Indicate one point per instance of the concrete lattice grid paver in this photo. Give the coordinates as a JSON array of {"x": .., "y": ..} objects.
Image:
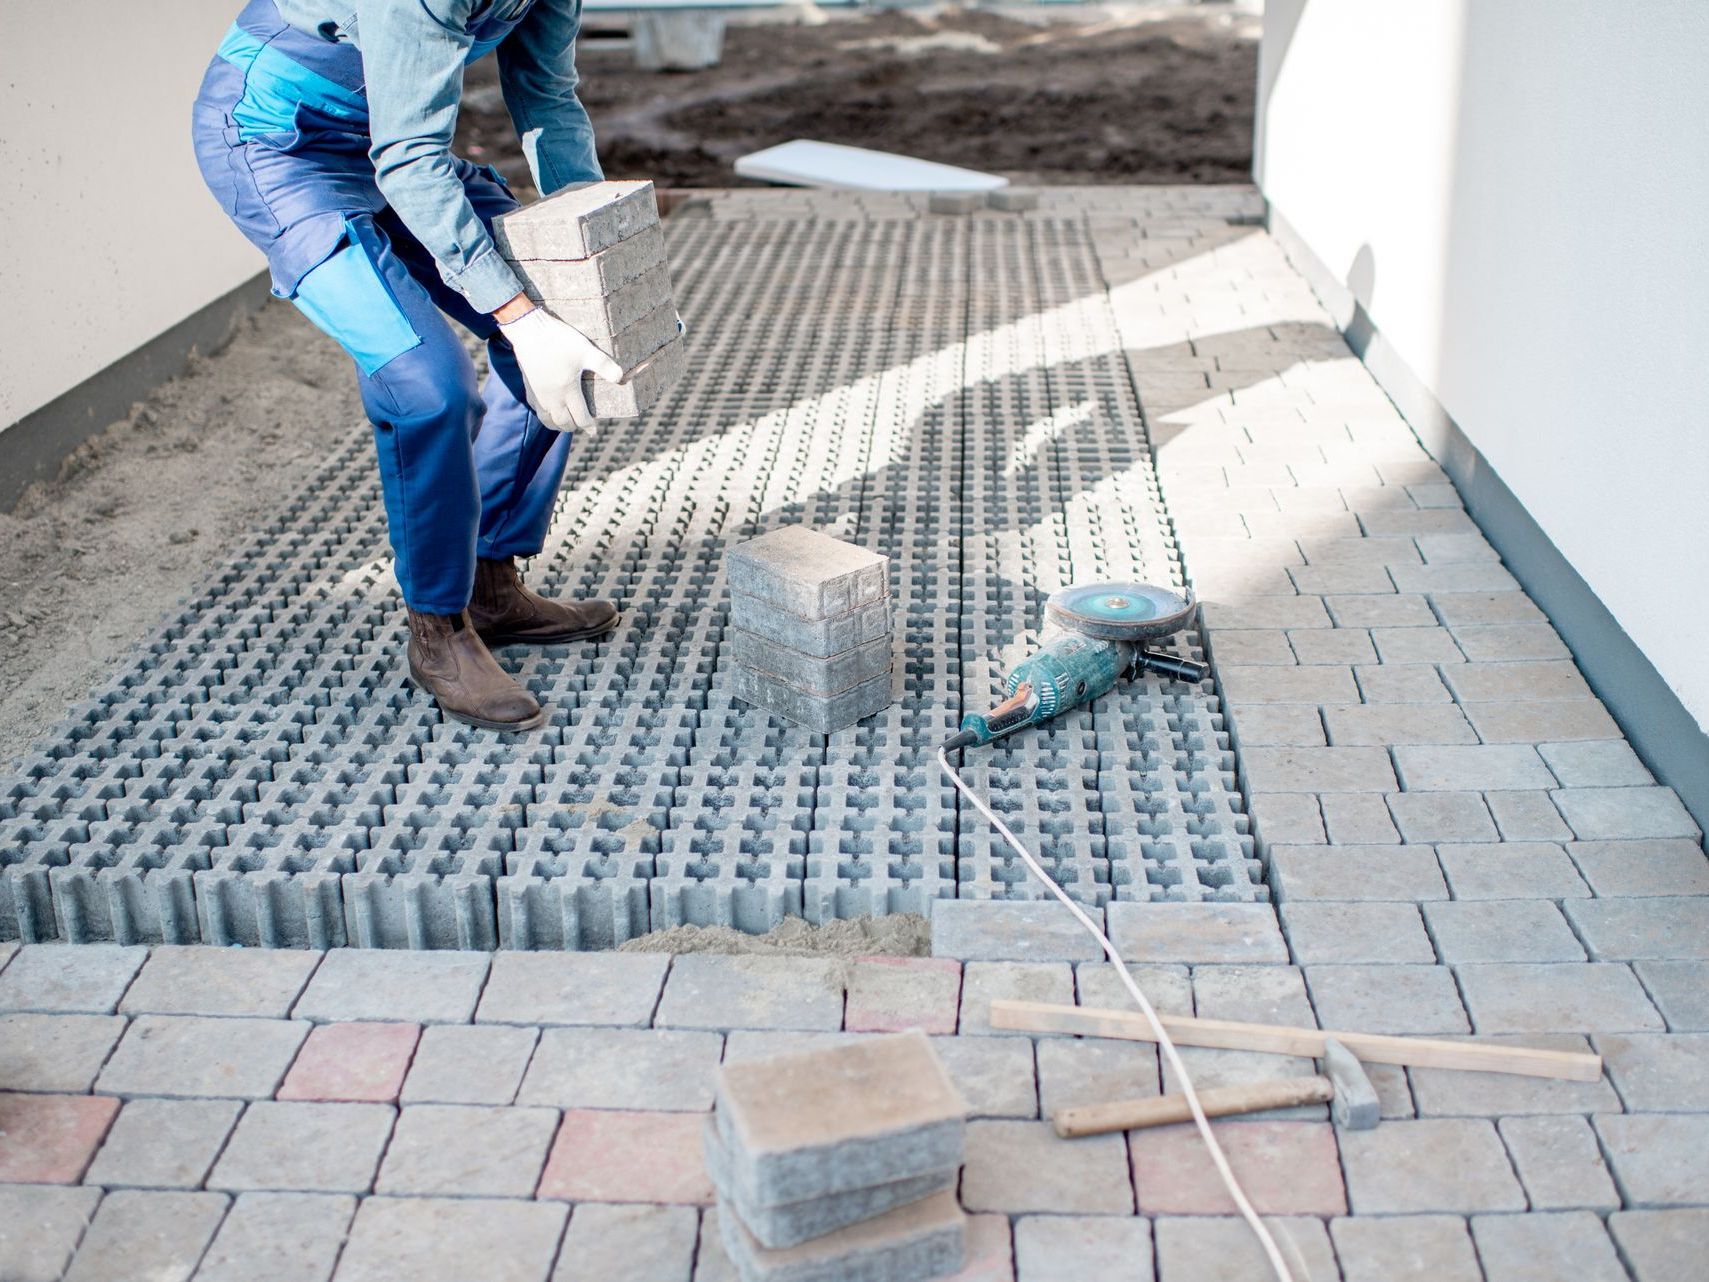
[{"x": 1315, "y": 529}]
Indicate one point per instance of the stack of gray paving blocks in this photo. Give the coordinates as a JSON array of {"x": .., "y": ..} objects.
[
  {"x": 840, "y": 1163},
  {"x": 593, "y": 254},
  {"x": 811, "y": 622}
]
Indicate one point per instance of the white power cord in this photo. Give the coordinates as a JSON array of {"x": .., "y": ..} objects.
[{"x": 1162, "y": 1034}]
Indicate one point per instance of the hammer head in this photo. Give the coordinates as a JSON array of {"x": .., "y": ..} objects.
[{"x": 1355, "y": 1104}]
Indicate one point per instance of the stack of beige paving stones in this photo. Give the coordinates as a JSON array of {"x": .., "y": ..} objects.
[
  {"x": 840, "y": 1164},
  {"x": 593, "y": 254},
  {"x": 810, "y": 619}
]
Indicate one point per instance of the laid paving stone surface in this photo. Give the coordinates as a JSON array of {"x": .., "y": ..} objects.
[
  {"x": 1559, "y": 1163},
  {"x": 40, "y": 1227},
  {"x": 894, "y": 994},
  {"x": 1015, "y": 1167},
  {"x": 1356, "y": 932},
  {"x": 995, "y": 1075},
  {"x": 611, "y": 1156},
  {"x": 1512, "y": 870},
  {"x": 458, "y": 1064},
  {"x": 88, "y": 979},
  {"x": 985, "y": 982},
  {"x": 1616, "y": 868},
  {"x": 466, "y": 1150},
  {"x": 1680, "y": 990},
  {"x": 1287, "y": 1168},
  {"x": 353, "y": 1063},
  {"x": 430, "y": 1239},
  {"x": 394, "y": 986},
  {"x": 1674, "y": 928},
  {"x": 1171, "y": 933},
  {"x": 278, "y": 1237},
  {"x": 55, "y": 1052},
  {"x": 752, "y": 992},
  {"x": 573, "y": 988},
  {"x": 192, "y": 1055},
  {"x": 1341, "y": 873},
  {"x": 1406, "y": 1248},
  {"x": 194, "y": 980},
  {"x": 625, "y": 1068},
  {"x": 1408, "y": 1167},
  {"x": 1068, "y": 1248},
  {"x": 1073, "y": 1073},
  {"x": 1387, "y": 999},
  {"x": 1654, "y": 1072},
  {"x": 305, "y": 1148},
  {"x": 1590, "y": 997},
  {"x": 1663, "y": 1246},
  {"x": 611, "y": 1242},
  {"x": 1658, "y": 1159},
  {"x": 1441, "y": 1092},
  {"x": 164, "y": 1143},
  {"x": 1168, "y": 988},
  {"x": 1204, "y": 1248},
  {"x": 158, "y": 1236},
  {"x": 974, "y": 930},
  {"x": 1502, "y": 931}
]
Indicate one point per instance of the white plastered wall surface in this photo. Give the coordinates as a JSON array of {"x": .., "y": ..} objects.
[
  {"x": 110, "y": 237},
  {"x": 1518, "y": 194}
]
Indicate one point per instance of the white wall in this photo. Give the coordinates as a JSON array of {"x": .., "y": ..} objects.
[
  {"x": 107, "y": 235},
  {"x": 1518, "y": 192}
]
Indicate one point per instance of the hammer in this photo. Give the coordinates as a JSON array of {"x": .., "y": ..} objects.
[{"x": 1344, "y": 1086}]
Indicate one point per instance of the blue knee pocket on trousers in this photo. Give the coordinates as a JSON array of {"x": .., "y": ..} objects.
[{"x": 349, "y": 299}]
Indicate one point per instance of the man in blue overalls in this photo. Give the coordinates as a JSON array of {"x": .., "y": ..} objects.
[{"x": 324, "y": 127}]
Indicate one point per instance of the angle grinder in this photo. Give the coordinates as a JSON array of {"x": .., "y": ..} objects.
[{"x": 1100, "y": 635}]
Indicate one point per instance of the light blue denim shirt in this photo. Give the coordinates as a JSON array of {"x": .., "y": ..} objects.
[{"x": 413, "y": 55}]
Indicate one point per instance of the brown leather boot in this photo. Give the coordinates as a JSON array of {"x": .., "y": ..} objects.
[
  {"x": 505, "y": 612},
  {"x": 448, "y": 659}
]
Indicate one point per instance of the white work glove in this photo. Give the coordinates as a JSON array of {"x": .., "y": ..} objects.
[{"x": 553, "y": 357}]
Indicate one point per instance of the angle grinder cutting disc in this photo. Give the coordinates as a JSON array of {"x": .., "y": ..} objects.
[{"x": 1119, "y": 611}]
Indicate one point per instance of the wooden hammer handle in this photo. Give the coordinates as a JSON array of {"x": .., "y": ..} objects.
[{"x": 1217, "y": 1101}]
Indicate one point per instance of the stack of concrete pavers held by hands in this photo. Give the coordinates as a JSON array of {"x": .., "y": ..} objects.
[
  {"x": 811, "y": 621},
  {"x": 840, "y": 1163},
  {"x": 593, "y": 254}
]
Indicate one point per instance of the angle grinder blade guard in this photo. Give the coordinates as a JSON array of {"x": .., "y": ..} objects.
[{"x": 1119, "y": 611}]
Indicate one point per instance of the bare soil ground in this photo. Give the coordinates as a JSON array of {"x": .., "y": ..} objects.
[
  {"x": 91, "y": 561},
  {"x": 1136, "y": 96}
]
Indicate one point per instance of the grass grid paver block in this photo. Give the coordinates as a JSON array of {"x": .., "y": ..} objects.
[
  {"x": 279, "y": 1237},
  {"x": 1406, "y": 1248},
  {"x": 604, "y": 1155},
  {"x": 712, "y": 992},
  {"x": 791, "y": 1223},
  {"x": 577, "y": 221},
  {"x": 898, "y": 1115},
  {"x": 1286, "y": 1167},
  {"x": 1546, "y": 1246},
  {"x": 55, "y": 1052},
  {"x": 467, "y": 1150},
  {"x": 1413, "y": 1167},
  {"x": 894, "y": 994},
  {"x": 193, "y": 979},
  {"x": 1559, "y": 1163},
  {"x": 995, "y": 1075},
  {"x": 1016, "y": 1167},
  {"x": 388, "y": 985},
  {"x": 40, "y": 1227},
  {"x": 1195, "y": 933},
  {"x": 432, "y": 1239},
  {"x": 190, "y": 1055},
  {"x": 1659, "y": 1159},
  {"x": 66, "y": 979},
  {"x": 157, "y": 1236},
  {"x": 980, "y": 930},
  {"x": 610, "y": 1242},
  {"x": 808, "y": 574},
  {"x": 1622, "y": 929},
  {"x": 573, "y": 988},
  {"x": 1071, "y": 1248},
  {"x": 1206, "y": 1248},
  {"x": 625, "y": 1068},
  {"x": 354, "y": 1063},
  {"x": 49, "y": 1139},
  {"x": 1662, "y": 1246},
  {"x": 164, "y": 1143},
  {"x": 924, "y": 1239},
  {"x": 305, "y": 1148},
  {"x": 460, "y": 1064},
  {"x": 1522, "y": 997}
]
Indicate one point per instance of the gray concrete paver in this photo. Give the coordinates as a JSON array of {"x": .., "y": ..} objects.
[
  {"x": 1326, "y": 931},
  {"x": 1523, "y": 997},
  {"x": 468, "y": 1064},
  {"x": 1429, "y": 1165},
  {"x": 157, "y": 1236},
  {"x": 1356, "y": 872},
  {"x": 305, "y": 1148},
  {"x": 1662, "y": 1246},
  {"x": 644, "y": 1068},
  {"x": 1194, "y": 933},
  {"x": 1386, "y": 999},
  {"x": 192, "y": 979},
  {"x": 69, "y": 979},
  {"x": 55, "y": 1052},
  {"x": 984, "y": 982},
  {"x": 40, "y": 1226},
  {"x": 1441, "y": 1092},
  {"x": 194, "y": 1055},
  {"x": 1642, "y": 868},
  {"x": 1481, "y": 768},
  {"x": 1625, "y": 813},
  {"x": 163, "y": 1143},
  {"x": 709, "y": 992},
  {"x": 1072, "y": 1248},
  {"x": 1559, "y": 1163},
  {"x": 1546, "y": 1247},
  {"x": 618, "y": 1242},
  {"x": 1406, "y": 1248},
  {"x": 573, "y": 988},
  {"x": 1674, "y": 927},
  {"x": 1512, "y": 930},
  {"x": 1216, "y": 1248},
  {"x": 995, "y": 1075},
  {"x": 978, "y": 930},
  {"x": 467, "y": 1150},
  {"x": 1680, "y": 990},
  {"x": 279, "y": 1237},
  {"x": 430, "y": 1239},
  {"x": 1658, "y": 1072},
  {"x": 1073, "y": 1072},
  {"x": 1658, "y": 1159},
  {"x": 1016, "y": 1166},
  {"x": 1511, "y": 870},
  {"x": 380, "y": 984}
]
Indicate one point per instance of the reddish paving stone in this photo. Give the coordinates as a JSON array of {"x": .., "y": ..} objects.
[
  {"x": 894, "y": 994},
  {"x": 49, "y": 1139},
  {"x": 1286, "y": 1168},
  {"x": 352, "y": 1063},
  {"x": 609, "y": 1156}
]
